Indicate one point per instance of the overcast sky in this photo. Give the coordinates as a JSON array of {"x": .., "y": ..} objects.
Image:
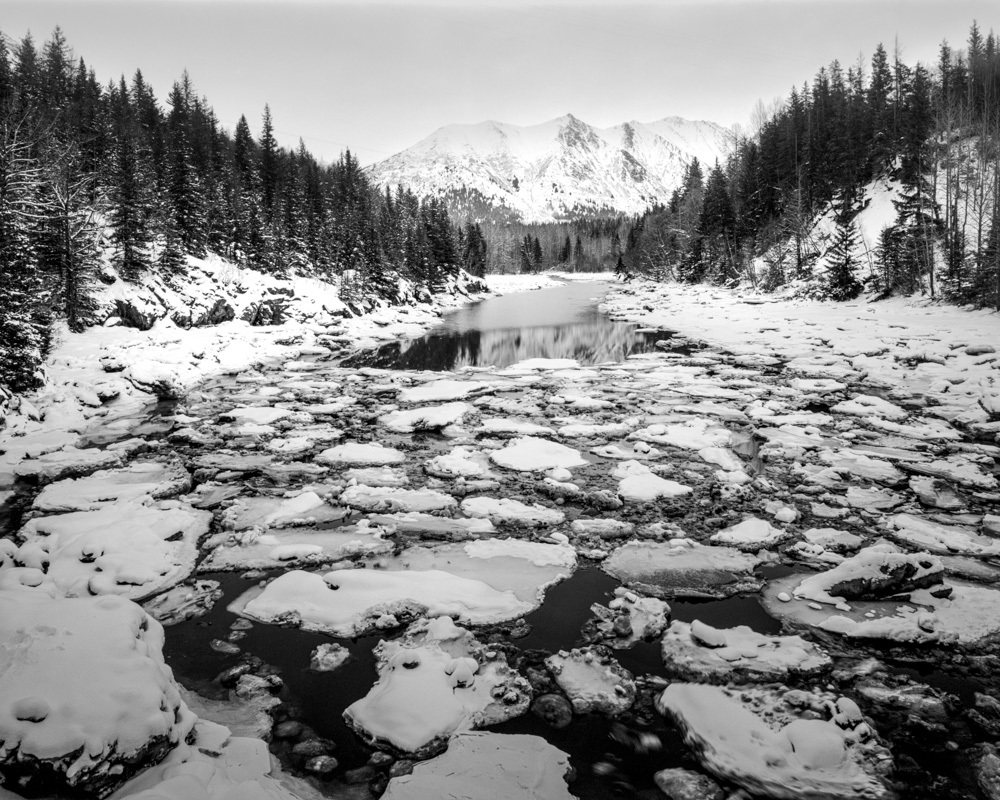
[{"x": 379, "y": 76}]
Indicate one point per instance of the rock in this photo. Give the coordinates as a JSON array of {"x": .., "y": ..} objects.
[
  {"x": 321, "y": 765},
  {"x": 554, "y": 709},
  {"x": 134, "y": 317},
  {"x": 987, "y": 771},
  {"x": 683, "y": 784},
  {"x": 289, "y": 729}
]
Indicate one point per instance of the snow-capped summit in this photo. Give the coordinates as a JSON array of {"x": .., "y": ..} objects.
[{"x": 555, "y": 170}]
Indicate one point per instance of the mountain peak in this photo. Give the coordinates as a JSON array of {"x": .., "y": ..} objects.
[{"x": 554, "y": 170}]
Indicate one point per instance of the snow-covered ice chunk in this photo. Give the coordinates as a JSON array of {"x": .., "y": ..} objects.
[
  {"x": 257, "y": 549},
  {"x": 505, "y": 510},
  {"x": 531, "y": 454},
  {"x": 138, "y": 479},
  {"x": 426, "y": 418},
  {"x": 775, "y": 754},
  {"x": 516, "y": 426},
  {"x": 84, "y": 688},
  {"x": 864, "y": 405},
  {"x": 593, "y": 682},
  {"x": 352, "y": 602},
  {"x": 739, "y": 653},
  {"x": 441, "y": 391},
  {"x": 692, "y": 434},
  {"x": 638, "y": 483},
  {"x": 391, "y": 500},
  {"x": 461, "y": 462},
  {"x": 434, "y": 681},
  {"x": 260, "y": 415},
  {"x": 532, "y": 770},
  {"x": 363, "y": 455},
  {"x": 70, "y": 462},
  {"x": 682, "y": 567},
  {"x": 183, "y": 602},
  {"x": 279, "y": 512},
  {"x": 128, "y": 548},
  {"x": 750, "y": 534},
  {"x": 629, "y": 618},
  {"x": 432, "y": 525},
  {"x": 328, "y": 657}
]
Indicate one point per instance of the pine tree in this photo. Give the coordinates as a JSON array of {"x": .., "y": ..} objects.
[{"x": 841, "y": 282}]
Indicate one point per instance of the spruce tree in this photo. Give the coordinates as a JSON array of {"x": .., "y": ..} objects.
[{"x": 841, "y": 282}]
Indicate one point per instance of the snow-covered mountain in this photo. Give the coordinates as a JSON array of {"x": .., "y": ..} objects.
[{"x": 555, "y": 170}]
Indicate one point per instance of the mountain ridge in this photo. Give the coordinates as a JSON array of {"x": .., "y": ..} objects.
[{"x": 558, "y": 169}]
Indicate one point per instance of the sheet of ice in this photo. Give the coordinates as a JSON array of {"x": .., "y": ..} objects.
[
  {"x": 606, "y": 430},
  {"x": 751, "y": 534},
  {"x": 441, "y": 391},
  {"x": 259, "y": 415},
  {"x": 361, "y": 455},
  {"x": 279, "y": 512},
  {"x": 127, "y": 548},
  {"x": 780, "y": 757},
  {"x": 532, "y": 454},
  {"x": 693, "y": 434},
  {"x": 699, "y": 652},
  {"x": 217, "y": 766},
  {"x": 960, "y": 469},
  {"x": 137, "y": 479},
  {"x": 519, "y": 426},
  {"x": 354, "y": 601},
  {"x": 682, "y": 567},
  {"x": 390, "y": 500},
  {"x": 594, "y": 682},
  {"x": 876, "y": 571},
  {"x": 525, "y": 568},
  {"x": 864, "y": 405},
  {"x": 917, "y": 531},
  {"x": 463, "y": 462},
  {"x": 532, "y": 770},
  {"x": 432, "y": 525},
  {"x": 70, "y": 462},
  {"x": 426, "y": 418},
  {"x": 514, "y": 512},
  {"x": 257, "y": 549},
  {"x": 435, "y": 681},
  {"x": 639, "y": 484},
  {"x": 378, "y": 476},
  {"x": 84, "y": 685}
]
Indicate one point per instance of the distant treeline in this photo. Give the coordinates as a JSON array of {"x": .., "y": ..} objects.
[{"x": 101, "y": 179}]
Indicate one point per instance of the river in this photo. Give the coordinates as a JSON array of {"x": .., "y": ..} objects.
[{"x": 623, "y": 383}]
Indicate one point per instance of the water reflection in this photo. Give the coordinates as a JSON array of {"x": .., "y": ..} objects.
[{"x": 562, "y": 322}]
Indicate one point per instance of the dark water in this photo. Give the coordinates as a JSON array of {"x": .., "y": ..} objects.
[
  {"x": 556, "y": 625},
  {"x": 560, "y": 322}
]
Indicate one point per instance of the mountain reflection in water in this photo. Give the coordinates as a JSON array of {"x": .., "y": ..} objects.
[{"x": 562, "y": 322}]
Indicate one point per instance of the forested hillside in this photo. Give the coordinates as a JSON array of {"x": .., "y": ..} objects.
[
  {"x": 101, "y": 183},
  {"x": 784, "y": 206}
]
